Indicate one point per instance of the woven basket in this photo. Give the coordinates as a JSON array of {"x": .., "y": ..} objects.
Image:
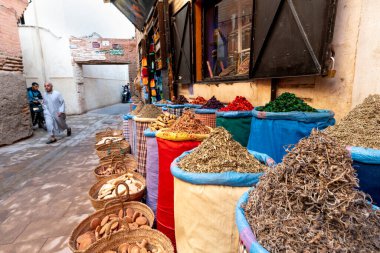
[
  {"x": 113, "y": 148},
  {"x": 109, "y": 132},
  {"x": 84, "y": 226},
  {"x": 114, "y": 158},
  {"x": 153, "y": 236},
  {"x": 128, "y": 164},
  {"x": 100, "y": 203}
]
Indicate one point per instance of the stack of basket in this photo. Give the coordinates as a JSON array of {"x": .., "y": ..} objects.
[{"x": 116, "y": 161}]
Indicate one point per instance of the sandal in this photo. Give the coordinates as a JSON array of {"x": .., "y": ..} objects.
[{"x": 51, "y": 140}]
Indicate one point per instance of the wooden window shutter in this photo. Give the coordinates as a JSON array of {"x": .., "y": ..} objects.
[
  {"x": 292, "y": 37},
  {"x": 182, "y": 45}
]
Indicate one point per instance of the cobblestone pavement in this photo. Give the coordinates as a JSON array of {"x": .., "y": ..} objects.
[{"x": 43, "y": 188}]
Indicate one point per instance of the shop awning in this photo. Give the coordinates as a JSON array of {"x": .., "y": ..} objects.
[{"x": 136, "y": 11}]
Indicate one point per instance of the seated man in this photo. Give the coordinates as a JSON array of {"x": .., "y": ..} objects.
[{"x": 34, "y": 95}]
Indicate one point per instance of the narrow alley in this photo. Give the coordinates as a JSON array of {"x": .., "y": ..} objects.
[{"x": 44, "y": 187}]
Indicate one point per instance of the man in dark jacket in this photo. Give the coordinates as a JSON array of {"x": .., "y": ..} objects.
[{"x": 34, "y": 95}]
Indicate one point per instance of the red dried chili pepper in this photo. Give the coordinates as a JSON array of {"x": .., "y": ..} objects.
[{"x": 239, "y": 104}]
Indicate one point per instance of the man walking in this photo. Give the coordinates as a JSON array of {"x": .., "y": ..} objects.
[{"x": 54, "y": 110}]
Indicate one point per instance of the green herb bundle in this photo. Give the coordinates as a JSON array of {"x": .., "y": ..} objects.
[{"x": 287, "y": 102}]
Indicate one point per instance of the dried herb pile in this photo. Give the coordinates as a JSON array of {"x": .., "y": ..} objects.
[
  {"x": 138, "y": 108},
  {"x": 287, "y": 102},
  {"x": 309, "y": 202},
  {"x": 239, "y": 104},
  {"x": 181, "y": 100},
  {"x": 361, "y": 127},
  {"x": 149, "y": 111},
  {"x": 199, "y": 101},
  {"x": 163, "y": 102},
  {"x": 187, "y": 123},
  {"x": 212, "y": 103},
  {"x": 220, "y": 153}
]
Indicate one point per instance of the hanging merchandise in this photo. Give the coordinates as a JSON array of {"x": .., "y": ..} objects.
[
  {"x": 144, "y": 62},
  {"x": 152, "y": 83},
  {"x": 144, "y": 72},
  {"x": 151, "y": 48}
]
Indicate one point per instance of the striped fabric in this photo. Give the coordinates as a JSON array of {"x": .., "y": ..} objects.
[
  {"x": 126, "y": 129},
  {"x": 176, "y": 111},
  {"x": 207, "y": 119},
  {"x": 132, "y": 135},
  {"x": 141, "y": 146}
]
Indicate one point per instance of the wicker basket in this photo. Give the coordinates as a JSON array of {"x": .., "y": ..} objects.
[
  {"x": 107, "y": 140},
  {"x": 154, "y": 237},
  {"x": 114, "y": 158},
  {"x": 100, "y": 203},
  {"x": 109, "y": 132},
  {"x": 113, "y": 148},
  {"x": 127, "y": 164},
  {"x": 84, "y": 226}
]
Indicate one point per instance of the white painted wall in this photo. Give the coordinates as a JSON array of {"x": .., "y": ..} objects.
[
  {"x": 367, "y": 68},
  {"x": 47, "y": 56},
  {"x": 103, "y": 84}
]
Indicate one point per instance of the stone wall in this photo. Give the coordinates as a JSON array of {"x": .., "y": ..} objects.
[{"x": 15, "y": 123}]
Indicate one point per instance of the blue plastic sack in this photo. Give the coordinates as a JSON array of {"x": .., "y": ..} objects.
[
  {"x": 366, "y": 162},
  {"x": 149, "y": 133},
  {"x": 271, "y": 132},
  {"x": 230, "y": 178},
  {"x": 127, "y": 116},
  {"x": 175, "y": 106},
  {"x": 245, "y": 232},
  {"x": 205, "y": 111},
  {"x": 234, "y": 114},
  {"x": 160, "y": 105},
  {"x": 193, "y": 106}
]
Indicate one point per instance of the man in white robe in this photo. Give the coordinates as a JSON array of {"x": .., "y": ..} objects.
[{"x": 54, "y": 111}]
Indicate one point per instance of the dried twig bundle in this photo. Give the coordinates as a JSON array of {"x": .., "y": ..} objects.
[
  {"x": 309, "y": 203},
  {"x": 187, "y": 123},
  {"x": 149, "y": 111},
  {"x": 220, "y": 153},
  {"x": 361, "y": 127}
]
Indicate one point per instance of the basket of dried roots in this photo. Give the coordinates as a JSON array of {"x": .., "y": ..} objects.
[
  {"x": 115, "y": 168},
  {"x": 114, "y": 187},
  {"x": 113, "y": 148},
  {"x": 134, "y": 241},
  {"x": 310, "y": 203},
  {"x": 114, "y": 158},
  {"x": 108, "y": 221},
  {"x": 109, "y": 132}
]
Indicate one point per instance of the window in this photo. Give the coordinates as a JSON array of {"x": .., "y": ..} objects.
[{"x": 227, "y": 39}]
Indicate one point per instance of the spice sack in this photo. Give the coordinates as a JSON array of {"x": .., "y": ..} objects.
[
  {"x": 272, "y": 132},
  {"x": 204, "y": 202}
]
